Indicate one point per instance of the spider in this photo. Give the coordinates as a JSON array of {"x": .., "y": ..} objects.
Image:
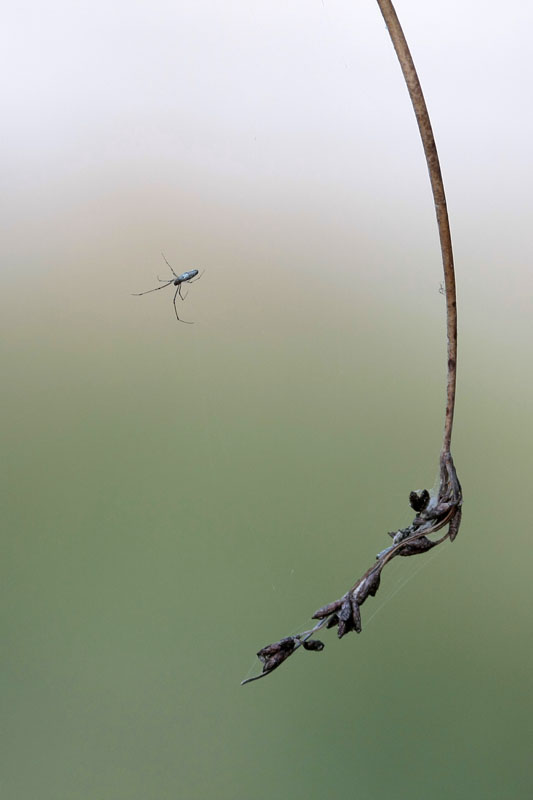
[{"x": 177, "y": 280}]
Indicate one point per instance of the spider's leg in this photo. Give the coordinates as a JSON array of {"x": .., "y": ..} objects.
[
  {"x": 168, "y": 265},
  {"x": 138, "y": 294},
  {"x": 176, "y": 310}
]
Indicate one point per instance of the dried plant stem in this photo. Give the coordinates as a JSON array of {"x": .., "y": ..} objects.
[
  {"x": 430, "y": 150},
  {"x": 432, "y": 512}
]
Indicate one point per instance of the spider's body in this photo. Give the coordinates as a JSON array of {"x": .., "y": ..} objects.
[{"x": 177, "y": 280}]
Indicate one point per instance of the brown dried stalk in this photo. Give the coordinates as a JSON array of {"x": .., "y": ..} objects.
[{"x": 432, "y": 512}]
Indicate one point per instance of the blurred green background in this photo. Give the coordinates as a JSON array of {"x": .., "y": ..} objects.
[{"x": 176, "y": 497}]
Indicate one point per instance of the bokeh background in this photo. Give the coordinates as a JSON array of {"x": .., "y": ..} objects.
[{"x": 176, "y": 496}]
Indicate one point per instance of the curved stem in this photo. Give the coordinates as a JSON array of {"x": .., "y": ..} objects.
[
  {"x": 439, "y": 197},
  {"x": 444, "y": 508}
]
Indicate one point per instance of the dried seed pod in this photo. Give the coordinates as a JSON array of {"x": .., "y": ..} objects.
[
  {"x": 375, "y": 579},
  {"x": 356, "y": 615},
  {"x": 419, "y": 500},
  {"x": 345, "y": 617},
  {"x": 346, "y": 610},
  {"x": 325, "y": 611},
  {"x": 442, "y": 508},
  {"x": 275, "y": 660},
  {"x": 420, "y": 545},
  {"x": 368, "y": 586},
  {"x": 453, "y": 530},
  {"x": 283, "y": 646},
  {"x": 313, "y": 644}
]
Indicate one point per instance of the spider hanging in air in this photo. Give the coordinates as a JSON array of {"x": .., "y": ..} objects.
[{"x": 177, "y": 280}]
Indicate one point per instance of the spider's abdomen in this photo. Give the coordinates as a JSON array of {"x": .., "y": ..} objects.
[{"x": 186, "y": 276}]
